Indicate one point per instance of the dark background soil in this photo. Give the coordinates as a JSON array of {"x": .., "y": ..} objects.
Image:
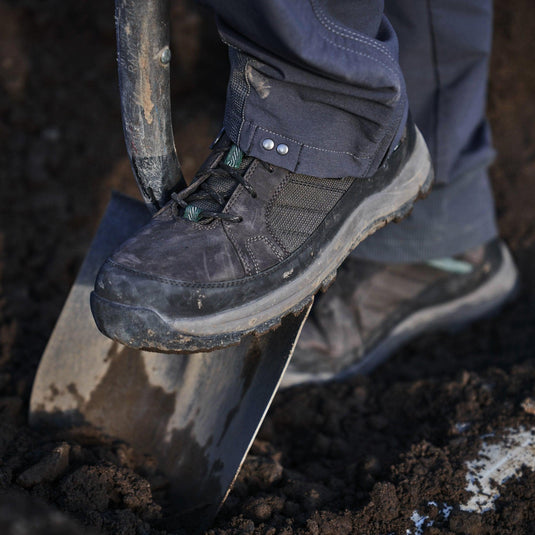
[{"x": 358, "y": 457}]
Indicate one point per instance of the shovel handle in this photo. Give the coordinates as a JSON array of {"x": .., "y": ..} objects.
[{"x": 144, "y": 56}]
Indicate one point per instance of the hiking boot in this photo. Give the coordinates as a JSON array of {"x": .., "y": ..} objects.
[
  {"x": 245, "y": 244},
  {"x": 373, "y": 308}
]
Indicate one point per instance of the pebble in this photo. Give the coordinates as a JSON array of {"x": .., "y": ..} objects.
[
  {"x": 529, "y": 405},
  {"x": 261, "y": 512},
  {"x": 48, "y": 469}
]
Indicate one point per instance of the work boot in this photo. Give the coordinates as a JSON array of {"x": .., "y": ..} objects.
[
  {"x": 373, "y": 308},
  {"x": 245, "y": 244}
]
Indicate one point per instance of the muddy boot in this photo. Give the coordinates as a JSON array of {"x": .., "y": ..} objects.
[
  {"x": 373, "y": 308},
  {"x": 246, "y": 244}
]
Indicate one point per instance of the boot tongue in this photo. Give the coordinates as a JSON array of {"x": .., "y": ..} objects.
[{"x": 225, "y": 186}]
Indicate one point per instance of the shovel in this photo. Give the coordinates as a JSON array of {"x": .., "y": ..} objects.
[{"x": 197, "y": 414}]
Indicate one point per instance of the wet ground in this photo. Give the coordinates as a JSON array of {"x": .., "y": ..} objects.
[{"x": 381, "y": 454}]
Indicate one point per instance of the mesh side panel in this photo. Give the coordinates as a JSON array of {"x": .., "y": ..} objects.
[
  {"x": 236, "y": 92},
  {"x": 301, "y": 206}
]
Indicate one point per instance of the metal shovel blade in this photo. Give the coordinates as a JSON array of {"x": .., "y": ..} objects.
[{"x": 196, "y": 414}]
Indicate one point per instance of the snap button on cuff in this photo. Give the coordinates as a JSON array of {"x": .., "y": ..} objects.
[
  {"x": 253, "y": 137},
  {"x": 269, "y": 144}
]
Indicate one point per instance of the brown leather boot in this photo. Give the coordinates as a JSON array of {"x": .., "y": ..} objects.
[{"x": 372, "y": 309}]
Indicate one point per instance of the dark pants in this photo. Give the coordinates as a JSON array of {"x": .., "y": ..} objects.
[{"x": 332, "y": 80}]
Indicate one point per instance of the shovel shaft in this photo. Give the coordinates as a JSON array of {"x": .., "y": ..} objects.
[{"x": 144, "y": 63}]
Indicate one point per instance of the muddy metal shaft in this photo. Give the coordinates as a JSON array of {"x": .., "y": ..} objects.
[{"x": 144, "y": 66}]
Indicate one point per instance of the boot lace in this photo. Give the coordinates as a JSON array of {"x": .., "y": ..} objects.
[{"x": 191, "y": 202}]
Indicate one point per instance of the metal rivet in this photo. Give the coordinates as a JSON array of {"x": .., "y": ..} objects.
[
  {"x": 165, "y": 55},
  {"x": 282, "y": 149},
  {"x": 268, "y": 144}
]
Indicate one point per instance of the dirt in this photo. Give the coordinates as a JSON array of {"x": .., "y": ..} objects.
[{"x": 375, "y": 455}]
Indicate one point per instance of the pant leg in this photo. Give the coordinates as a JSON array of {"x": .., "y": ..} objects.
[
  {"x": 319, "y": 77},
  {"x": 444, "y": 53}
]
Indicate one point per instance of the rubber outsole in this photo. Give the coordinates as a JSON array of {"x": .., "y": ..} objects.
[
  {"x": 144, "y": 328},
  {"x": 451, "y": 316}
]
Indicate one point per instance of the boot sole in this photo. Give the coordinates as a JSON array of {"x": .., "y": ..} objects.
[
  {"x": 144, "y": 328},
  {"x": 453, "y": 315}
]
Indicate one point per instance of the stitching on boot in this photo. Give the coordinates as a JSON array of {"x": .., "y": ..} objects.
[{"x": 268, "y": 242}]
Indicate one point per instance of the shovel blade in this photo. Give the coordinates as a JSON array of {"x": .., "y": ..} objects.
[{"x": 196, "y": 414}]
